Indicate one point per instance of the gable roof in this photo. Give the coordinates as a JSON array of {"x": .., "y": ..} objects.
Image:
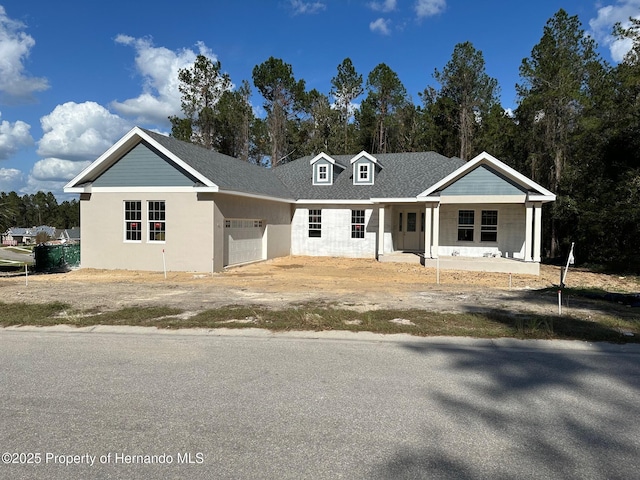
[
  {"x": 413, "y": 176},
  {"x": 535, "y": 191},
  {"x": 214, "y": 171}
]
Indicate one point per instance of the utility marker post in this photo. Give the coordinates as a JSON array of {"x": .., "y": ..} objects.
[{"x": 164, "y": 264}]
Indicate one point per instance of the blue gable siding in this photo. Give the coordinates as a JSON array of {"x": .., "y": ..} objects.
[
  {"x": 330, "y": 172},
  {"x": 483, "y": 180},
  {"x": 144, "y": 166}
]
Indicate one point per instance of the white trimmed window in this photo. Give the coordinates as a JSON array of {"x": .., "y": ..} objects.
[
  {"x": 466, "y": 220},
  {"x": 156, "y": 221},
  {"x": 363, "y": 172},
  {"x": 323, "y": 173},
  {"x": 489, "y": 226},
  {"x": 357, "y": 223},
  {"x": 133, "y": 220},
  {"x": 315, "y": 223}
]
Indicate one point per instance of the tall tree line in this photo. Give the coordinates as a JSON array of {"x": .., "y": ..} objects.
[
  {"x": 576, "y": 128},
  {"x": 37, "y": 209}
]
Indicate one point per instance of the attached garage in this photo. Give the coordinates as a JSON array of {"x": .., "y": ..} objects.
[{"x": 243, "y": 241}]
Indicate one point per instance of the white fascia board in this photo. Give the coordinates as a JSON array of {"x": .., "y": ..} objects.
[
  {"x": 334, "y": 202},
  {"x": 127, "y": 142},
  {"x": 254, "y": 195},
  {"x": 86, "y": 189},
  {"x": 541, "y": 198},
  {"x": 320, "y": 156},
  {"x": 487, "y": 158},
  {"x": 397, "y": 200},
  {"x": 154, "y": 189},
  {"x": 365, "y": 155},
  {"x": 176, "y": 159},
  {"x": 475, "y": 199},
  {"x": 124, "y": 143}
]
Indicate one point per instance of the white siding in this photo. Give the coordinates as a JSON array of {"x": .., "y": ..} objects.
[{"x": 336, "y": 238}]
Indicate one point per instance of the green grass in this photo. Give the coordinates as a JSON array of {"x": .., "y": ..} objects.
[{"x": 320, "y": 317}]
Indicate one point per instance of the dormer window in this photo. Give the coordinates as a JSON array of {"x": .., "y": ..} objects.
[
  {"x": 323, "y": 172},
  {"x": 363, "y": 172},
  {"x": 324, "y": 169},
  {"x": 364, "y": 168}
]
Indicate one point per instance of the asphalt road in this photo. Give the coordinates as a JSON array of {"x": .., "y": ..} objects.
[
  {"x": 254, "y": 405},
  {"x": 15, "y": 256}
]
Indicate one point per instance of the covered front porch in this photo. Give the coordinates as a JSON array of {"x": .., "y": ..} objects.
[{"x": 474, "y": 236}]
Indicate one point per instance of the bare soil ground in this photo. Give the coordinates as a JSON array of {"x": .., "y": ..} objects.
[{"x": 351, "y": 283}]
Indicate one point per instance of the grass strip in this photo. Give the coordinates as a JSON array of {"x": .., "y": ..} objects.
[{"x": 322, "y": 318}]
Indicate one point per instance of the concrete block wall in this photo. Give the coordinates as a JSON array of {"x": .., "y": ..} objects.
[
  {"x": 335, "y": 237},
  {"x": 511, "y": 231}
]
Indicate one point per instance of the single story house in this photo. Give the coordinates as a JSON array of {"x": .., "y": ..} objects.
[
  {"x": 26, "y": 236},
  {"x": 69, "y": 235},
  {"x": 151, "y": 200}
]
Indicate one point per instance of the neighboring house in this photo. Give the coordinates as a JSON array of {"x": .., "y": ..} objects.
[
  {"x": 152, "y": 199},
  {"x": 26, "y": 236},
  {"x": 69, "y": 235}
]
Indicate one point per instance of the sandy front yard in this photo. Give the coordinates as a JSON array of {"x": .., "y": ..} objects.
[{"x": 352, "y": 283}]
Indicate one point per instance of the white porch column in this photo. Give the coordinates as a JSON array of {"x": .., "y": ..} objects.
[
  {"x": 380, "y": 230},
  {"x": 528, "y": 233},
  {"x": 427, "y": 230},
  {"x": 436, "y": 230},
  {"x": 537, "y": 232}
]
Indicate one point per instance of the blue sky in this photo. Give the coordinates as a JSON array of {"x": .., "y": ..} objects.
[{"x": 76, "y": 75}]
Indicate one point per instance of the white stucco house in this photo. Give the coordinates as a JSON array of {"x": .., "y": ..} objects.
[{"x": 151, "y": 199}]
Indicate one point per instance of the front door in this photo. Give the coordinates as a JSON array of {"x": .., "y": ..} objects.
[{"x": 409, "y": 230}]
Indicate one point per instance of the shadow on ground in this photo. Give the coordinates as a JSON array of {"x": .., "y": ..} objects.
[{"x": 527, "y": 413}]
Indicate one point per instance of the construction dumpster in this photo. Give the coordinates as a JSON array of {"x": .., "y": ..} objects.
[{"x": 56, "y": 258}]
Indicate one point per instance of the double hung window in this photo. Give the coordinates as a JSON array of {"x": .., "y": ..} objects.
[
  {"x": 157, "y": 229},
  {"x": 489, "y": 227},
  {"x": 466, "y": 219},
  {"x": 357, "y": 223},
  {"x": 133, "y": 220},
  {"x": 315, "y": 223}
]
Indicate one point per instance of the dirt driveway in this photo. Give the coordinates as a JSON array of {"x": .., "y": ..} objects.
[{"x": 352, "y": 283}]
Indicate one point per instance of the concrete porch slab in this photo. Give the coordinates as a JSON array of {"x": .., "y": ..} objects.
[{"x": 475, "y": 264}]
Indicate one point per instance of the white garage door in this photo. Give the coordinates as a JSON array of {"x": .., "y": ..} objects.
[{"x": 243, "y": 240}]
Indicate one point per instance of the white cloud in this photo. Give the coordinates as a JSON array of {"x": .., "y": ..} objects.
[
  {"x": 429, "y": 8},
  {"x": 13, "y": 136},
  {"x": 301, "y": 8},
  {"x": 158, "y": 66},
  {"x": 57, "y": 169},
  {"x": 10, "y": 179},
  {"x": 385, "y": 6},
  {"x": 602, "y": 26},
  {"x": 80, "y": 131},
  {"x": 15, "y": 45},
  {"x": 381, "y": 26}
]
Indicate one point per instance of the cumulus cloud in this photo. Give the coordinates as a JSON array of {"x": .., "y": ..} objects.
[
  {"x": 79, "y": 131},
  {"x": 13, "y": 136},
  {"x": 429, "y": 8},
  {"x": 10, "y": 179},
  {"x": 16, "y": 85},
  {"x": 158, "y": 67},
  {"x": 608, "y": 16},
  {"x": 385, "y": 6},
  {"x": 381, "y": 26},
  {"x": 57, "y": 169},
  {"x": 301, "y": 8}
]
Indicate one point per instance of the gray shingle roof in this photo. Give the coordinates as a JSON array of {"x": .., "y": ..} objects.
[
  {"x": 227, "y": 172},
  {"x": 402, "y": 175}
]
